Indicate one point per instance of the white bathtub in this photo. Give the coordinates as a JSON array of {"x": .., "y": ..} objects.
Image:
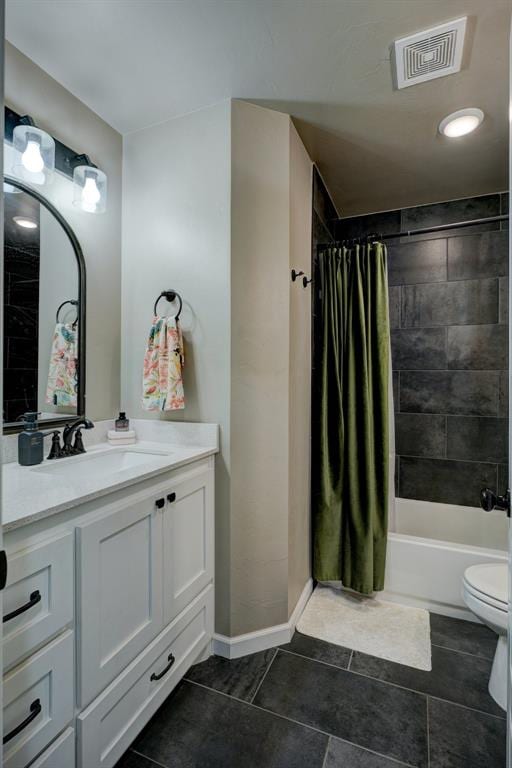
[{"x": 431, "y": 546}]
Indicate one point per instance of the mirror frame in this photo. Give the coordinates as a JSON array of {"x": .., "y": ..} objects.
[{"x": 59, "y": 421}]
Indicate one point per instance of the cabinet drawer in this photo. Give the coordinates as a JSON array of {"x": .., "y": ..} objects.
[
  {"x": 60, "y": 754},
  {"x": 188, "y": 537},
  {"x": 108, "y": 726},
  {"x": 38, "y": 693},
  {"x": 119, "y": 573},
  {"x": 38, "y": 598}
]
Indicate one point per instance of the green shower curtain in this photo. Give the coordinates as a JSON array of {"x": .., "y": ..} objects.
[{"x": 350, "y": 452}]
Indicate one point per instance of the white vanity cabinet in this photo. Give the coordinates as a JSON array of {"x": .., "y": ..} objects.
[
  {"x": 188, "y": 536},
  {"x": 116, "y": 599},
  {"x": 119, "y": 588}
]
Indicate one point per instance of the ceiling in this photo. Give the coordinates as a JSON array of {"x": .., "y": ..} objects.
[{"x": 326, "y": 62}]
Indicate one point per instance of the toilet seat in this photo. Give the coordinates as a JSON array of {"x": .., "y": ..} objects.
[{"x": 489, "y": 584}]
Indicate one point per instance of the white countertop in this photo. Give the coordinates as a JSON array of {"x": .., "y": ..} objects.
[{"x": 32, "y": 493}]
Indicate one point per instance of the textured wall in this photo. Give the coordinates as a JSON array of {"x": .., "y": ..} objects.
[{"x": 449, "y": 340}]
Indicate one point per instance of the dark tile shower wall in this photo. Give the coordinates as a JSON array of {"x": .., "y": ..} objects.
[
  {"x": 449, "y": 312},
  {"x": 21, "y": 315}
]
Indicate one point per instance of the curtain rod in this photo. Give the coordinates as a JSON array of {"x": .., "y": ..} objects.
[{"x": 426, "y": 230}]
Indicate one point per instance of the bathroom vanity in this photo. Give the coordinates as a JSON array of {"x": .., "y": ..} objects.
[{"x": 109, "y": 596}]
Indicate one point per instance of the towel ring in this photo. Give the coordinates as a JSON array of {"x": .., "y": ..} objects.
[
  {"x": 73, "y": 303},
  {"x": 170, "y": 296}
]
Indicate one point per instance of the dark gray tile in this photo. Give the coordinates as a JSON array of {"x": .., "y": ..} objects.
[
  {"x": 464, "y": 302},
  {"x": 456, "y": 677},
  {"x": 461, "y": 738},
  {"x": 503, "y": 395},
  {"x": 197, "y": 728},
  {"x": 503, "y": 311},
  {"x": 131, "y": 759},
  {"x": 320, "y": 235},
  {"x": 394, "y": 306},
  {"x": 478, "y": 347},
  {"x": 504, "y": 209},
  {"x": 419, "y": 349},
  {"x": 476, "y": 256},
  {"x": 465, "y": 636},
  {"x": 448, "y": 482},
  {"x": 471, "y": 393},
  {"x": 236, "y": 677},
  {"x": 396, "y": 390},
  {"x": 319, "y": 650},
  {"x": 476, "y": 438},
  {"x": 375, "y": 223},
  {"x": 503, "y": 483},
  {"x": 371, "y": 714},
  {"x": 450, "y": 212},
  {"x": 423, "y": 262},
  {"x": 340, "y": 754},
  {"x": 420, "y": 434}
]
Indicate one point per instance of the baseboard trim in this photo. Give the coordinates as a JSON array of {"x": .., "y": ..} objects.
[{"x": 262, "y": 639}]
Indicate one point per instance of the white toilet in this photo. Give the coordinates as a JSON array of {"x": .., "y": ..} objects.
[{"x": 485, "y": 592}]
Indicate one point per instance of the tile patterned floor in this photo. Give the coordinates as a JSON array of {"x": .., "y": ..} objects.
[{"x": 310, "y": 704}]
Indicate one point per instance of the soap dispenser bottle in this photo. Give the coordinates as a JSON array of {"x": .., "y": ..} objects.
[{"x": 30, "y": 441}]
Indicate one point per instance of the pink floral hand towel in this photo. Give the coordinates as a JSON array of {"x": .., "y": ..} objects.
[{"x": 162, "y": 387}]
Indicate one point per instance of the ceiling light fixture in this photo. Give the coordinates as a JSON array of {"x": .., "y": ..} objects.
[
  {"x": 462, "y": 122},
  {"x": 22, "y": 221}
]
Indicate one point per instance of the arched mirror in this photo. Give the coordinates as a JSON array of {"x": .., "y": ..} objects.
[{"x": 44, "y": 311}]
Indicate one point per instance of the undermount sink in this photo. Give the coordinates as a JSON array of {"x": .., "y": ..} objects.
[{"x": 98, "y": 464}]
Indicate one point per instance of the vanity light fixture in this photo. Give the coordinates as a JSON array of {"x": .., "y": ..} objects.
[
  {"x": 89, "y": 186},
  {"x": 22, "y": 221},
  {"x": 34, "y": 152},
  {"x": 462, "y": 122}
]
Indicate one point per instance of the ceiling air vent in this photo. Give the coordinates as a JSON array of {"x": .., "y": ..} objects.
[{"x": 429, "y": 54}]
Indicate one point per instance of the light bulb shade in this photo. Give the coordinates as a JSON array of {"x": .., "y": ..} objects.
[
  {"x": 89, "y": 189},
  {"x": 34, "y": 154}
]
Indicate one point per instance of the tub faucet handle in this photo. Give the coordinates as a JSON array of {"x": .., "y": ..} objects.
[{"x": 489, "y": 501}]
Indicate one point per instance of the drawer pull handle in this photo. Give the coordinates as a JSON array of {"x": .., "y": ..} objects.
[
  {"x": 171, "y": 661},
  {"x": 160, "y": 503},
  {"x": 171, "y": 497},
  {"x": 35, "y": 709},
  {"x": 35, "y": 598}
]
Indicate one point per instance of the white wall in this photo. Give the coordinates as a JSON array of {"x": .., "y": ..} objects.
[
  {"x": 176, "y": 196},
  {"x": 30, "y": 90},
  {"x": 207, "y": 210}
]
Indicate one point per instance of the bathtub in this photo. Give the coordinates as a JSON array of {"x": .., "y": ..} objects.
[{"x": 430, "y": 547}]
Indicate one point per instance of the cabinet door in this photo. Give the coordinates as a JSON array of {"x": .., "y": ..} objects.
[
  {"x": 111, "y": 722},
  {"x": 60, "y": 754},
  {"x": 38, "y": 701},
  {"x": 119, "y": 562},
  {"x": 188, "y": 541},
  {"x": 38, "y": 598}
]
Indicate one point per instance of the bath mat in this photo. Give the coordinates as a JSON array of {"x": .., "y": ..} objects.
[{"x": 387, "y": 630}]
